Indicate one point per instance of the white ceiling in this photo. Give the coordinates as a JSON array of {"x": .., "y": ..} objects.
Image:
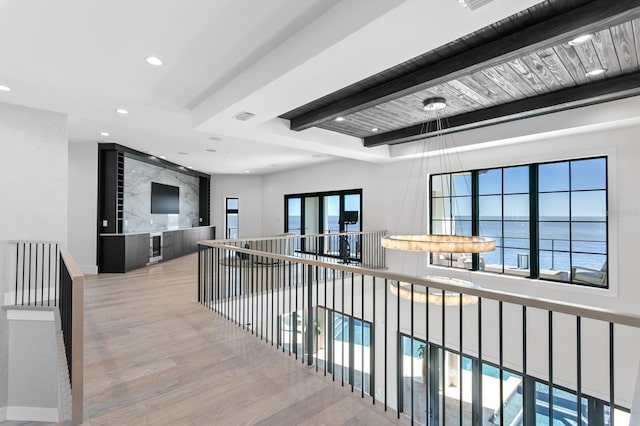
[{"x": 86, "y": 57}]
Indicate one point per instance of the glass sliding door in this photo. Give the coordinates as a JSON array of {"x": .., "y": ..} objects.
[
  {"x": 331, "y": 223},
  {"x": 293, "y": 223},
  {"x": 231, "y": 211}
]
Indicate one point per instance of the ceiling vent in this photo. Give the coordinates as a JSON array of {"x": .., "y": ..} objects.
[
  {"x": 244, "y": 116},
  {"x": 473, "y": 4}
]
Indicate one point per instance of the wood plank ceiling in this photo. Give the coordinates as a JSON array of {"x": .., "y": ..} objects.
[{"x": 519, "y": 67}]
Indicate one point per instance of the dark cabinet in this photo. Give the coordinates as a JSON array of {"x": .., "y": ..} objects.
[{"x": 123, "y": 253}]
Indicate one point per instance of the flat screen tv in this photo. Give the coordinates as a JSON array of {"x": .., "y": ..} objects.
[{"x": 165, "y": 199}]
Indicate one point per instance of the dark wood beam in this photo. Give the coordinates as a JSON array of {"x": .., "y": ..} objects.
[
  {"x": 573, "y": 97},
  {"x": 591, "y": 17}
]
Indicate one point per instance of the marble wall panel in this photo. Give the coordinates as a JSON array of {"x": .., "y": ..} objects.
[{"x": 137, "y": 198}]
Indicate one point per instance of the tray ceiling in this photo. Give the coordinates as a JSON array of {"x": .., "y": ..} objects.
[{"x": 519, "y": 67}]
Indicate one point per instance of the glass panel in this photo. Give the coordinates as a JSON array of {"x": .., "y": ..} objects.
[
  {"x": 352, "y": 203},
  {"x": 516, "y": 180},
  {"x": 462, "y": 184},
  {"x": 331, "y": 210},
  {"x": 516, "y": 261},
  {"x": 589, "y": 269},
  {"x": 492, "y": 407},
  {"x": 589, "y": 174},
  {"x": 311, "y": 222},
  {"x": 492, "y": 261},
  {"x": 554, "y": 235},
  {"x": 553, "y": 177},
  {"x": 441, "y": 227},
  {"x": 463, "y": 227},
  {"x": 589, "y": 205},
  {"x": 553, "y": 206},
  {"x": 232, "y": 225},
  {"x": 554, "y": 265},
  {"x": 490, "y": 207},
  {"x": 516, "y": 207},
  {"x": 341, "y": 346},
  {"x": 440, "y": 185},
  {"x": 462, "y": 207},
  {"x": 414, "y": 378},
  {"x": 441, "y": 208},
  {"x": 590, "y": 237},
  {"x": 518, "y": 231},
  {"x": 294, "y": 208},
  {"x": 490, "y": 181},
  {"x": 232, "y": 204},
  {"x": 491, "y": 228}
]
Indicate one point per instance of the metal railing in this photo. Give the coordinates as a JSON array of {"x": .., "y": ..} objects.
[
  {"x": 357, "y": 248},
  {"x": 587, "y": 350},
  {"x": 47, "y": 275}
]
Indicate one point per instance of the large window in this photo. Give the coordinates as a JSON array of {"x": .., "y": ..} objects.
[
  {"x": 472, "y": 389},
  {"x": 549, "y": 220},
  {"x": 326, "y": 213}
]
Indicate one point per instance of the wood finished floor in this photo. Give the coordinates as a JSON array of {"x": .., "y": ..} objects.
[{"x": 153, "y": 355}]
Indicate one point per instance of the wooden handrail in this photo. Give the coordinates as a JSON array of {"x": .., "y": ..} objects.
[
  {"x": 294, "y": 236},
  {"x": 622, "y": 318},
  {"x": 77, "y": 337}
]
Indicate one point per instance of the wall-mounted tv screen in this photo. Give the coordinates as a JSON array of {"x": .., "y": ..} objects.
[{"x": 165, "y": 199}]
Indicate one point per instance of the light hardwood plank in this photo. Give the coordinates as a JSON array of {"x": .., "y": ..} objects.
[{"x": 153, "y": 355}]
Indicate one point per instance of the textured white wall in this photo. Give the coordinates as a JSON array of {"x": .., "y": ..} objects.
[
  {"x": 248, "y": 190},
  {"x": 83, "y": 204},
  {"x": 33, "y": 190}
]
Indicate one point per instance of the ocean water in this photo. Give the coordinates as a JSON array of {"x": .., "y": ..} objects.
[{"x": 588, "y": 236}]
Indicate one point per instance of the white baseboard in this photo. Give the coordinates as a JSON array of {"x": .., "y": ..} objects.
[
  {"x": 89, "y": 269},
  {"x": 3, "y": 414},
  {"x": 30, "y": 414}
]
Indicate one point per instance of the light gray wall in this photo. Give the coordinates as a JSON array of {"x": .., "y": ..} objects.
[
  {"x": 33, "y": 364},
  {"x": 248, "y": 190},
  {"x": 83, "y": 204},
  {"x": 33, "y": 190}
]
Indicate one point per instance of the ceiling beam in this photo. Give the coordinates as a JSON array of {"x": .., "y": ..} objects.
[
  {"x": 593, "y": 16},
  {"x": 587, "y": 94}
]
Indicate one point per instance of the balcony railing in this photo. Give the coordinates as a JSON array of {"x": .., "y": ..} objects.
[
  {"x": 47, "y": 275},
  {"x": 431, "y": 349}
]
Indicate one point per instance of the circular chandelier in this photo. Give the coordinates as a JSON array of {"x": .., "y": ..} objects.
[
  {"x": 439, "y": 243},
  {"x": 435, "y": 296}
]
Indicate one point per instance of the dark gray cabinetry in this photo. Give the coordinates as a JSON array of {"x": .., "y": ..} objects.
[{"x": 123, "y": 253}]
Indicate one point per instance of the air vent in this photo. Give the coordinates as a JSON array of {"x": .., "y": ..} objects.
[
  {"x": 244, "y": 116},
  {"x": 473, "y": 4}
]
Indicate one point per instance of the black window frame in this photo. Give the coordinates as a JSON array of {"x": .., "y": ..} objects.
[
  {"x": 229, "y": 211},
  {"x": 534, "y": 219}
]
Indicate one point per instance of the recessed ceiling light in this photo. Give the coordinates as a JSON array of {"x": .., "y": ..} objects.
[
  {"x": 211, "y": 150},
  {"x": 183, "y": 153},
  {"x": 154, "y": 60},
  {"x": 5, "y": 88},
  {"x": 247, "y": 171},
  {"x": 339, "y": 119},
  {"x": 122, "y": 111},
  {"x": 189, "y": 167},
  {"x": 581, "y": 39},
  {"x": 163, "y": 156},
  {"x": 152, "y": 157},
  {"x": 104, "y": 133},
  {"x": 375, "y": 129},
  {"x": 595, "y": 72}
]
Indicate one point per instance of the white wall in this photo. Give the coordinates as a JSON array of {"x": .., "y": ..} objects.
[
  {"x": 390, "y": 200},
  {"x": 389, "y": 196},
  {"x": 248, "y": 190},
  {"x": 83, "y": 204},
  {"x": 33, "y": 191}
]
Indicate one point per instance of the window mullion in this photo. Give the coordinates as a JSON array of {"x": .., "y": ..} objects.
[
  {"x": 534, "y": 233},
  {"x": 475, "y": 216}
]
